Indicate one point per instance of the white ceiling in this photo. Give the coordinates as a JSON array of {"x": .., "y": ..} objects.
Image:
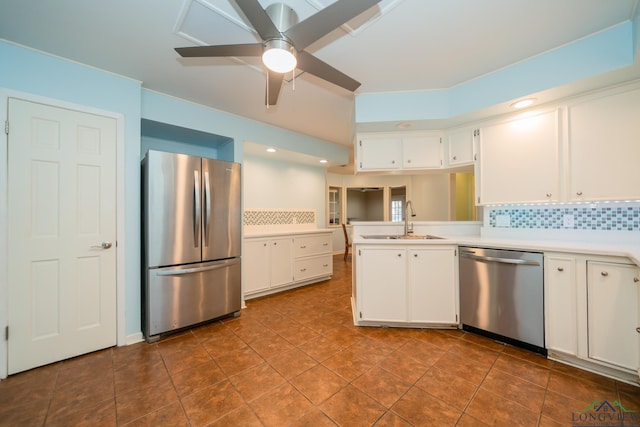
[{"x": 398, "y": 45}]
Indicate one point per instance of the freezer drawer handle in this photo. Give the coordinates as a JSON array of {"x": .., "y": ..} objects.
[
  {"x": 501, "y": 260},
  {"x": 207, "y": 213},
  {"x": 197, "y": 269}
]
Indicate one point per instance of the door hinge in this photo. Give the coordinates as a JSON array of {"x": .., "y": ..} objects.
[
  {"x": 359, "y": 252},
  {"x": 478, "y": 199},
  {"x": 456, "y": 318},
  {"x": 6, "y": 333},
  {"x": 361, "y": 315},
  {"x": 6, "y": 127},
  {"x": 455, "y": 252},
  {"x": 360, "y": 142}
]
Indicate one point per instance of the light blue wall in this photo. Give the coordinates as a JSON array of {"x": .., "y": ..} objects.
[
  {"x": 606, "y": 51},
  {"x": 35, "y": 73}
]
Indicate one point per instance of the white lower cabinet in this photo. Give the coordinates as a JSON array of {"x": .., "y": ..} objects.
[
  {"x": 432, "y": 286},
  {"x": 278, "y": 263},
  {"x": 612, "y": 304},
  {"x": 592, "y": 312},
  {"x": 406, "y": 285},
  {"x": 560, "y": 298},
  {"x": 382, "y": 273},
  {"x": 268, "y": 263}
]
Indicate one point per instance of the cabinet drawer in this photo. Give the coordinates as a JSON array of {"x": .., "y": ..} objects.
[
  {"x": 313, "y": 267},
  {"x": 312, "y": 245}
]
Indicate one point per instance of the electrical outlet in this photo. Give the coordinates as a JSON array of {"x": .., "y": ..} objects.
[
  {"x": 568, "y": 221},
  {"x": 503, "y": 221}
]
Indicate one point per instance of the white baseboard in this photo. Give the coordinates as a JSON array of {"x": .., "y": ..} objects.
[{"x": 134, "y": 338}]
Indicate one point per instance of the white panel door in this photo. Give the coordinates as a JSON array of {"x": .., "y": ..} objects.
[{"x": 61, "y": 234}]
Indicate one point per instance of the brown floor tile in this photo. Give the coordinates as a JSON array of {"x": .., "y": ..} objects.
[
  {"x": 581, "y": 388},
  {"x": 440, "y": 340},
  {"x": 237, "y": 361},
  {"x": 282, "y": 406},
  {"x": 183, "y": 353},
  {"x": 256, "y": 381},
  {"x": 135, "y": 354},
  {"x": 382, "y": 385},
  {"x": 515, "y": 389},
  {"x": 243, "y": 416},
  {"x": 318, "y": 383},
  {"x": 521, "y": 368},
  {"x": 197, "y": 377},
  {"x": 561, "y": 409},
  {"x": 29, "y": 412},
  {"x": 423, "y": 351},
  {"x": 351, "y": 407},
  {"x": 321, "y": 348},
  {"x": 471, "y": 370},
  {"x": 315, "y": 418},
  {"x": 495, "y": 410},
  {"x": 452, "y": 389},
  {"x": 137, "y": 403},
  {"x": 404, "y": 366},
  {"x": 469, "y": 421},
  {"x": 211, "y": 403},
  {"x": 529, "y": 356},
  {"x": 271, "y": 346},
  {"x": 102, "y": 414},
  {"x": 483, "y": 341},
  {"x": 292, "y": 363},
  {"x": 299, "y": 334},
  {"x": 171, "y": 415},
  {"x": 225, "y": 343},
  {"x": 348, "y": 365},
  {"x": 34, "y": 384},
  {"x": 475, "y": 351},
  {"x": 390, "y": 419},
  {"x": 84, "y": 393},
  {"x": 141, "y": 375},
  {"x": 422, "y": 409}
]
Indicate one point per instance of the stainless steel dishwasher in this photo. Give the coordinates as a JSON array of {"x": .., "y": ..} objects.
[{"x": 502, "y": 295}]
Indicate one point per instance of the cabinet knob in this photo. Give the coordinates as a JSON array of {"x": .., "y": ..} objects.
[
  {"x": 604, "y": 273},
  {"x": 393, "y": 162},
  {"x": 303, "y": 247},
  {"x": 325, "y": 265},
  {"x": 265, "y": 244},
  {"x": 399, "y": 255},
  {"x": 638, "y": 330},
  {"x": 636, "y": 280},
  {"x": 560, "y": 269},
  {"x": 579, "y": 193},
  {"x": 409, "y": 161},
  {"x": 415, "y": 255},
  {"x": 455, "y": 157},
  {"x": 303, "y": 269},
  {"x": 548, "y": 194}
]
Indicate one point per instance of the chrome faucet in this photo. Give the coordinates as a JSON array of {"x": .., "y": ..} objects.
[{"x": 408, "y": 230}]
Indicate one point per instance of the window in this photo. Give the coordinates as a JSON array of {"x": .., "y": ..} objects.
[
  {"x": 397, "y": 214},
  {"x": 335, "y": 205}
]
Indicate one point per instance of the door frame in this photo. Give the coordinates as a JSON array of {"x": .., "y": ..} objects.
[{"x": 5, "y": 94}]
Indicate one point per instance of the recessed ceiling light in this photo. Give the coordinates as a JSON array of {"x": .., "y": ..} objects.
[
  {"x": 323, "y": 161},
  {"x": 271, "y": 150},
  {"x": 523, "y": 103}
]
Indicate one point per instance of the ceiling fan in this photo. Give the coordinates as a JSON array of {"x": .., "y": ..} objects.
[{"x": 284, "y": 41}]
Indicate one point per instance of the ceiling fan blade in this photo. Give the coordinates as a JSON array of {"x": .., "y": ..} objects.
[
  {"x": 312, "y": 65},
  {"x": 274, "y": 83},
  {"x": 253, "y": 49},
  {"x": 259, "y": 19},
  {"x": 326, "y": 20}
]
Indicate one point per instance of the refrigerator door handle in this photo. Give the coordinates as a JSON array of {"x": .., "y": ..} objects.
[
  {"x": 196, "y": 208},
  {"x": 207, "y": 204},
  {"x": 216, "y": 266}
]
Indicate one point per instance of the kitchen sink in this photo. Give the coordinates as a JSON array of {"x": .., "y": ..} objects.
[{"x": 400, "y": 236}]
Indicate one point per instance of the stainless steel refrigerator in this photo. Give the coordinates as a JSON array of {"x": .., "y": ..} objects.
[{"x": 191, "y": 244}]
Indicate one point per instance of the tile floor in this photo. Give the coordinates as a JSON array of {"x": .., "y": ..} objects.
[{"x": 295, "y": 359}]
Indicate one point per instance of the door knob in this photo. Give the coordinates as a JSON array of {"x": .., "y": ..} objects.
[{"x": 103, "y": 245}]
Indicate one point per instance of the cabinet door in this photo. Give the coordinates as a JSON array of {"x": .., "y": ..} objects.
[
  {"x": 256, "y": 265},
  {"x": 603, "y": 147},
  {"x": 421, "y": 152},
  {"x": 281, "y": 261},
  {"x": 519, "y": 161},
  {"x": 432, "y": 286},
  {"x": 379, "y": 153},
  {"x": 381, "y": 276},
  {"x": 612, "y": 304},
  {"x": 561, "y": 322},
  {"x": 460, "y": 144}
]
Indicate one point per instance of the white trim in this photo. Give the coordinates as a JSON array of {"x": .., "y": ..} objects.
[
  {"x": 133, "y": 338},
  {"x": 5, "y": 94}
]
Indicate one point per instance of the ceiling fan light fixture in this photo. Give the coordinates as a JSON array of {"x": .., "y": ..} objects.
[{"x": 279, "y": 56}]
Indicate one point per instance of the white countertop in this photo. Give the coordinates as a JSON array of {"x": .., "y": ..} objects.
[
  {"x": 291, "y": 232},
  {"x": 625, "y": 246}
]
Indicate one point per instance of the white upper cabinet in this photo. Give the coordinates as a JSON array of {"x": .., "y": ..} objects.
[
  {"x": 604, "y": 146},
  {"x": 421, "y": 152},
  {"x": 379, "y": 153},
  {"x": 460, "y": 147},
  {"x": 390, "y": 152},
  {"x": 519, "y": 160}
]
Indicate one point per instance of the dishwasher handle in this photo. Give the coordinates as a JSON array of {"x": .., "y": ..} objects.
[{"x": 496, "y": 259}]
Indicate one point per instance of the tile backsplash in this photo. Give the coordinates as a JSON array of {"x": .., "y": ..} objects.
[
  {"x": 267, "y": 217},
  {"x": 600, "y": 216}
]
